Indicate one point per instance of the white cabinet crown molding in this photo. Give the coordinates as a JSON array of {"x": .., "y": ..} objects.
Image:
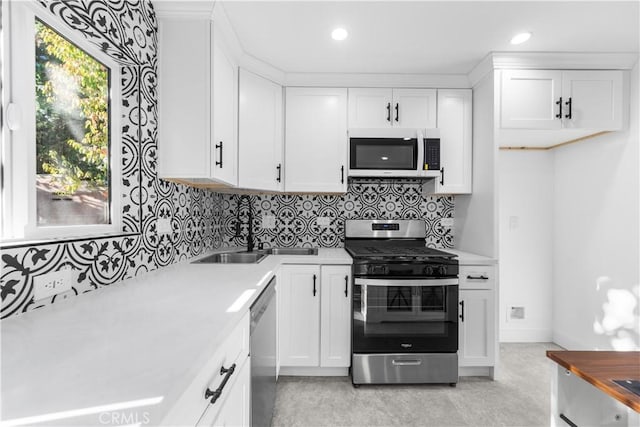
[{"x": 551, "y": 60}]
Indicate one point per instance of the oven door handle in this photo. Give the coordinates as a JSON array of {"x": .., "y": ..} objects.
[{"x": 406, "y": 282}]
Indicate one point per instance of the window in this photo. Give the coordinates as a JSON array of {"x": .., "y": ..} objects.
[{"x": 61, "y": 138}]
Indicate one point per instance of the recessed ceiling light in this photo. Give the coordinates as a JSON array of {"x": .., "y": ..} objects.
[
  {"x": 339, "y": 34},
  {"x": 520, "y": 38}
]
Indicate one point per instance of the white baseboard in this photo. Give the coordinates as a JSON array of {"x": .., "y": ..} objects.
[
  {"x": 303, "y": 371},
  {"x": 526, "y": 335},
  {"x": 567, "y": 342}
]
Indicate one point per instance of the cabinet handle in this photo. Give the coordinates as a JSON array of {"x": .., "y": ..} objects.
[
  {"x": 346, "y": 286},
  {"x": 442, "y": 175},
  {"x": 342, "y": 174},
  {"x": 215, "y": 394},
  {"x": 314, "y": 285},
  {"x": 397, "y": 111},
  {"x": 564, "y": 418},
  {"x": 481, "y": 277},
  {"x": 279, "y": 167},
  {"x": 568, "y": 116},
  {"x": 220, "y": 147},
  {"x": 388, "y": 111},
  {"x": 462, "y": 311},
  {"x": 559, "y": 104}
]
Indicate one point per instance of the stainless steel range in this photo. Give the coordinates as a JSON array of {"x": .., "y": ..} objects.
[{"x": 405, "y": 305}]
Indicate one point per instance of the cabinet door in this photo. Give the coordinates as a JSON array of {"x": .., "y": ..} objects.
[
  {"x": 528, "y": 99},
  {"x": 370, "y": 108},
  {"x": 235, "y": 402},
  {"x": 477, "y": 329},
  {"x": 335, "y": 316},
  {"x": 316, "y": 140},
  {"x": 224, "y": 154},
  {"x": 595, "y": 99},
  {"x": 299, "y": 315},
  {"x": 260, "y": 133},
  {"x": 414, "y": 108},
  {"x": 455, "y": 125},
  {"x": 184, "y": 98}
]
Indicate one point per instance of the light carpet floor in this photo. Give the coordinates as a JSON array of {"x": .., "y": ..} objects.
[{"x": 518, "y": 397}]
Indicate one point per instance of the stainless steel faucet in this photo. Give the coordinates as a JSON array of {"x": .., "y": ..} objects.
[{"x": 250, "y": 243}]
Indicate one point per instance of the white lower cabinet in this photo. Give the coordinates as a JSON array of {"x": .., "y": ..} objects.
[
  {"x": 232, "y": 407},
  {"x": 477, "y": 326},
  {"x": 235, "y": 409},
  {"x": 314, "y": 316}
]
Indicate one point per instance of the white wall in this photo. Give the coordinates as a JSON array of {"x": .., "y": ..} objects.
[
  {"x": 595, "y": 254},
  {"x": 525, "y": 188},
  {"x": 475, "y": 220}
]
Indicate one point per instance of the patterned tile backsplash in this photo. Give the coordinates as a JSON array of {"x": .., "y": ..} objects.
[
  {"x": 201, "y": 220},
  {"x": 296, "y": 216}
]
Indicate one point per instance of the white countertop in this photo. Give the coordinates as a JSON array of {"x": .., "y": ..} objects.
[
  {"x": 143, "y": 338},
  {"x": 468, "y": 258}
]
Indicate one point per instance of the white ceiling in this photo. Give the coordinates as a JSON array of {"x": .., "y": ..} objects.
[{"x": 424, "y": 37}]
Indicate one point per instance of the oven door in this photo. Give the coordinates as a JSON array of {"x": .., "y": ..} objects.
[{"x": 405, "y": 315}]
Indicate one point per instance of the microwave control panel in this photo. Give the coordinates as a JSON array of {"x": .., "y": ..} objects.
[{"x": 431, "y": 154}]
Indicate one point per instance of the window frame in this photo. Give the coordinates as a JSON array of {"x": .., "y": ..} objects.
[{"x": 19, "y": 145}]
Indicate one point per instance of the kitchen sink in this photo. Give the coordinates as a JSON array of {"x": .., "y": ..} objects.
[
  {"x": 292, "y": 251},
  {"x": 233, "y": 258}
]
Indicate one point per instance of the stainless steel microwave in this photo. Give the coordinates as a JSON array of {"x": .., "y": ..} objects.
[{"x": 394, "y": 153}]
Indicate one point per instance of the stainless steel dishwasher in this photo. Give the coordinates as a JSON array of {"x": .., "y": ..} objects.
[{"x": 263, "y": 356}]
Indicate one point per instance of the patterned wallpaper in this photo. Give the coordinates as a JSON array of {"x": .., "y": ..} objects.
[
  {"x": 126, "y": 30},
  {"x": 296, "y": 215},
  {"x": 200, "y": 220}
]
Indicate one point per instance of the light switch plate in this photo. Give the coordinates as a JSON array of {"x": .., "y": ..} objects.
[
  {"x": 323, "y": 221},
  {"x": 164, "y": 225},
  {"x": 268, "y": 222},
  {"x": 50, "y": 284},
  {"x": 446, "y": 222}
]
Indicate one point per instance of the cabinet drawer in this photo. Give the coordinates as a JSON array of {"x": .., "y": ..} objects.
[
  {"x": 192, "y": 403},
  {"x": 477, "y": 277}
]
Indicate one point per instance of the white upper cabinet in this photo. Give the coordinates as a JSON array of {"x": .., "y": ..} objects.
[
  {"x": 592, "y": 99},
  {"x": 316, "y": 140},
  {"x": 381, "y": 108},
  {"x": 197, "y": 103},
  {"x": 225, "y": 116},
  {"x": 260, "y": 135},
  {"x": 550, "y": 100},
  {"x": 455, "y": 125},
  {"x": 529, "y": 99},
  {"x": 414, "y": 108}
]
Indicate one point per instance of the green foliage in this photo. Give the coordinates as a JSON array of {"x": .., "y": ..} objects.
[{"x": 72, "y": 116}]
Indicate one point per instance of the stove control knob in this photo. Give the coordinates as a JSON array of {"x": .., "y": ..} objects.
[
  {"x": 442, "y": 270},
  {"x": 428, "y": 270}
]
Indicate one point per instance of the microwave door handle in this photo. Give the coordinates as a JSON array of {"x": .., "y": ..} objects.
[{"x": 420, "y": 163}]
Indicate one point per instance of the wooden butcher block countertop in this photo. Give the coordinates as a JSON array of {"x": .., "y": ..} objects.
[{"x": 600, "y": 368}]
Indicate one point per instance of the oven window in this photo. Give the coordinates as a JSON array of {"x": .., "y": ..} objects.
[
  {"x": 383, "y": 153},
  {"x": 433, "y": 299},
  {"x": 399, "y": 298}
]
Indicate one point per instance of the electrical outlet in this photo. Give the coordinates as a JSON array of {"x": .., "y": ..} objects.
[
  {"x": 323, "y": 221},
  {"x": 268, "y": 221},
  {"x": 50, "y": 284},
  {"x": 164, "y": 225},
  {"x": 516, "y": 313},
  {"x": 446, "y": 222}
]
